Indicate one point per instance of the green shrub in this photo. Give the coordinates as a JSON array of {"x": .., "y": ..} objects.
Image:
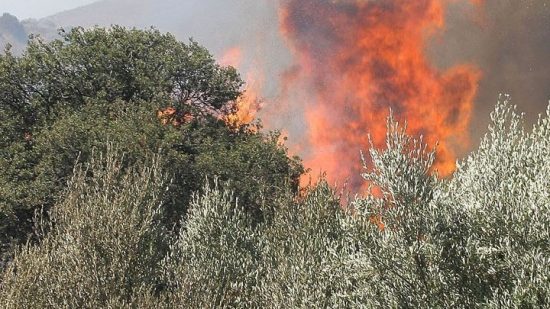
[
  {"x": 503, "y": 189},
  {"x": 214, "y": 261},
  {"x": 478, "y": 239},
  {"x": 305, "y": 244},
  {"x": 104, "y": 243}
]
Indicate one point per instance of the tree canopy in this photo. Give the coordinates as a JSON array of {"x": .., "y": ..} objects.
[{"x": 62, "y": 99}]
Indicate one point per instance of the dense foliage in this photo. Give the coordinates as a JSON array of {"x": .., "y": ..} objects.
[
  {"x": 79, "y": 265},
  {"x": 197, "y": 213},
  {"x": 62, "y": 99}
]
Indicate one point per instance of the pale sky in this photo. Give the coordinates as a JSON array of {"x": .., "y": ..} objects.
[{"x": 24, "y": 9}]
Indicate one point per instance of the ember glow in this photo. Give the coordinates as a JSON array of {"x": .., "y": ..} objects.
[
  {"x": 357, "y": 59},
  {"x": 170, "y": 115}
]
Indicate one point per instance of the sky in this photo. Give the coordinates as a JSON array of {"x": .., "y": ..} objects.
[{"x": 24, "y": 9}]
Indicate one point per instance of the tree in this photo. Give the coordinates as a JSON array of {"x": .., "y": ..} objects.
[
  {"x": 479, "y": 239},
  {"x": 61, "y": 99},
  {"x": 111, "y": 64},
  {"x": 214, "y": 262}
]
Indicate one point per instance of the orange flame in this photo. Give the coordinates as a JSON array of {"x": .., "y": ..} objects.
[
  {"x": 248, "y": 104},
  {"x": 169, "y": 115},
  {"x": 232, "y": 57},
  {"x": 359, "y": 58}
]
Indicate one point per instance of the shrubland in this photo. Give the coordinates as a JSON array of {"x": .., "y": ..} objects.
[{"x": 105, "y": 205}]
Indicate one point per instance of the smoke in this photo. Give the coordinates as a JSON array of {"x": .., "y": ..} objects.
[
  {"x": 509, "y": 40},
  {"x": 440, "y": 65}
]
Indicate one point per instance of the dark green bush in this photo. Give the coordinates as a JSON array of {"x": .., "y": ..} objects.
[{"x": 60, "y": 100}]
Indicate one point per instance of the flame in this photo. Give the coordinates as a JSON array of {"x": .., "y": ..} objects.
[
  {"x": 167, "y": 115},
  {"x": 248, "y": 104},
  {"x": 232, "y": 57},
  {"x": 378, "y": 221},
  {"x": 170, "y": 115},
  {"x": 357, "y": 59}
]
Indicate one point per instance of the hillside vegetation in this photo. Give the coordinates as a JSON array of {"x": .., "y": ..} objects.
[{"x": 122, "y": 186}]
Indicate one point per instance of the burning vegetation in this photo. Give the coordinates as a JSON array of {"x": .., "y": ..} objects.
[{"x": 103, "y": 207}]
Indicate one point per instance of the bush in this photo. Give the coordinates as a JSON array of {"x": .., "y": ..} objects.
[
  {"x": 304, "y": 245},
  {"x": 214, "y": 261},
  {"x": 478, "y": 239},
  {"x": 104, "y": 245},
  {"x": 503, "y": 189}
]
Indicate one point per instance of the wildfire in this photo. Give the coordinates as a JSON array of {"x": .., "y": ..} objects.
[
  {"x": 170, "y": 115},
  {"x": 248, "y": 104},
  {"x": 359, "y": 58}
]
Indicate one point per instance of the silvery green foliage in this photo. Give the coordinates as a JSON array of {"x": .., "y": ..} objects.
[
  {"x": 398, "y": 228},
  {"x": 303, "y": 258},
  {"x": 214, "y": 261},
  {"x": 503, "y": 189},
  {"x": 104, "y": 243},
  {"x": 479, "y": 239}
]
